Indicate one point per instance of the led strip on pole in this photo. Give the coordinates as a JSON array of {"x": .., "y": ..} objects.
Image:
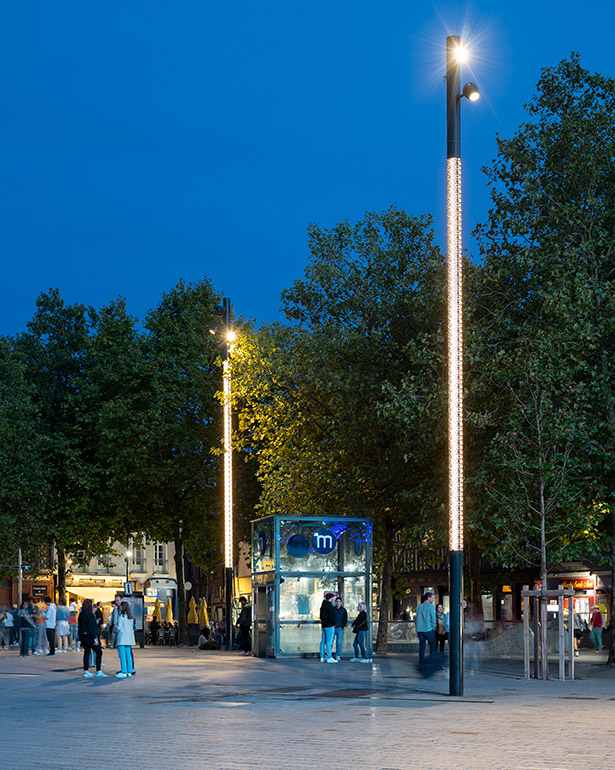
[
  {"x": 455, "y": 355},
  {"x": 228, "y": 468}
]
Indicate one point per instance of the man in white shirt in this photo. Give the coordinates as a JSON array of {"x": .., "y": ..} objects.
[{"x": 50, "y": 624}]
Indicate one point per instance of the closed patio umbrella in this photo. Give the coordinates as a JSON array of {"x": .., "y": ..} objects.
[
  {"x": 203, "y": 619},
  {"x": 168, "y": 611},
  {"x": 192, "y": 614},
  {"x": 156, "y": 612}
]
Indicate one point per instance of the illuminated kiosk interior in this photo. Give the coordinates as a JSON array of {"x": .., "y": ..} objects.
[{"x": 295, "y": 561}]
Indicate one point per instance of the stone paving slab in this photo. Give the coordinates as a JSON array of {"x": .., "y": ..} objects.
[{"x": 200, "y": 709}]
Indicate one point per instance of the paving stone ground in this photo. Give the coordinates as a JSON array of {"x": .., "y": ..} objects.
[{"x": 195, "y": 709}]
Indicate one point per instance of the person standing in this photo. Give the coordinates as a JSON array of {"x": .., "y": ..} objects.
[
  {"x": 327, "y": 624},
  {"x": 27, "y": 629},
  {"x": 62, "y": 627},
  {"x": 341, "y": 621},
  {"x": 112, "y": 627},
  {"x": 73, "y": 639},
  {"x": 360, "y": 628},
  {"x": 89, "y": 636},
  {"x": 50, "y": 624},
  {"x": 244, "y": 623},
  {"x": 441, "y": 627},
  {"x": 426, "y": 625},
  {"x": 596, "y": 624},
  {"x": 125, "y": 639}
]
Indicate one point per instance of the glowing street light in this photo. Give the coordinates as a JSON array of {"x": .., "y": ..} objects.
[
  {"x": 228, "y": 472},
  {"x": 455, "y": 55}
]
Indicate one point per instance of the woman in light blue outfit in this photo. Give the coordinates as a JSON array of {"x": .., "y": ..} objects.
[
  {"x": 359, "y": 628},
  {"x": 125, "y": 640}
]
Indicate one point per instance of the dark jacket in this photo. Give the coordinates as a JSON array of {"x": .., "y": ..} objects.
[
  {"x": 360, "y": 624},
  {"x": 245, "y": 616},
  {"x": 89, "y": 630},
  {"x": 341, "y": 617},
  {"x": 327, "y": 614}
]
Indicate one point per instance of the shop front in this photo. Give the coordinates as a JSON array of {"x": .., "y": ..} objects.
[{"x": 295, "y": 561}]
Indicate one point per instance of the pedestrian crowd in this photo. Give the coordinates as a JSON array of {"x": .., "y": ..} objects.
[{"x": 46, "y": 628}]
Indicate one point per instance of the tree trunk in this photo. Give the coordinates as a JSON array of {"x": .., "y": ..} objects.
[
  {"x": 474, "y": 572},
  {"x": 61, "y": 558},
  {"x": 382, "y": 643},
  {"x": 181, "y": 592},
  {"x": 611, "y": 660}
]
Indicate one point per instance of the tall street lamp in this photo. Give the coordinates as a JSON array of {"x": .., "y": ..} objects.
[
  {"x": 228, "y": 472},
  {"x": 455, "y": 55}
]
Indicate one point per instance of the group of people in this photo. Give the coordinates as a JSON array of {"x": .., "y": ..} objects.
[
  {"x": 47, "y": 628},
  {"x": 121, "y": 630},
  {"x": 40, "y": 628},
  {"x": 333, "y": 621}
]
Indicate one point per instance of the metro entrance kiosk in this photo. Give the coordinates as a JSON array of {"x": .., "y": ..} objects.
[{"x": 295, "y": 561}]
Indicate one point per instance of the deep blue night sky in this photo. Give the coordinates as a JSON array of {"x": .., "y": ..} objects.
[{"x": 146, "y": 142}]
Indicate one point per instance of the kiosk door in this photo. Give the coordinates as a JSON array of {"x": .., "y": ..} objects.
[{"x": 264, "y": 626}]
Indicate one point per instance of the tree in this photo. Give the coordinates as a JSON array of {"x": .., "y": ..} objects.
[
  {"x": 55, "y": 350},
  {"x": 548, "y": 273},
  {"x": 335, "y": 406},
  {"x": 163, "y": 425},
  {"x": 23, "y": 482}
]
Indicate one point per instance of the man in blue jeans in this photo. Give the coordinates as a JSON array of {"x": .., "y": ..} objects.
[
  {"x": 426, "y": 625},
  {"x": 327, "y": 622},
  {"x": 341, "y": 621}
]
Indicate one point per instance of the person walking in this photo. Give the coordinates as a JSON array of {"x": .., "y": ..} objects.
[
  {"x": 244, "y": 624},
  {"x": 125, "y": 639},
  {"x": 596, "y": 625},
  {"x": 89, "y": 636},
  {"x": 359, "y": 629},
  {"x": 441, "y": 627},
  {"x": 327, "y": 624},
  {"x": 341, "y": 621},
  {"x": 50, "y": 614},
  {"x": 27, "y": 629},
  {"x": 426, "y": 625}
]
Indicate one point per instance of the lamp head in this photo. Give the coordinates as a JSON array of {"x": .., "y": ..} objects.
[
  {"x": 461, "y": 53},
  {"x": 471, "y": 92},
  {"x": 231, "y": 336}
]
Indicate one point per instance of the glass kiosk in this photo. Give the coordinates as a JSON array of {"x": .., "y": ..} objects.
[{"x": 295, "y": 561}]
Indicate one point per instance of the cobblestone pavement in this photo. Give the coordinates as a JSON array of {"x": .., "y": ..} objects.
[{"x": 220, "y": 711}]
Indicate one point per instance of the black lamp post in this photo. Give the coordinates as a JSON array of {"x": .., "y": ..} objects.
[{"x": 455, "y": 55}]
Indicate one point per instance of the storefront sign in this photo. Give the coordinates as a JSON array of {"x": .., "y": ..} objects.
[{"x": 579, "y": 584}]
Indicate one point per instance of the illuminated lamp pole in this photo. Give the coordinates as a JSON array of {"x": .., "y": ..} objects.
[
  {"x": 455, "y": 55},
  {"x": 228, "y": 474}
]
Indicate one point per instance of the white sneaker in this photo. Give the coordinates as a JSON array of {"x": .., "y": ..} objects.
[
  {"x": 101, "y": 674},
  {"x": 121, "y": 676},
  {"x": 36, "y": 653},
  {"x": 355, "y": 660},
  {"x": 322, "y": 660},
  {"x": 332, "y": 660},
  {"x": 366, "y": 660},
  {"x": 88, "y": 673}
]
